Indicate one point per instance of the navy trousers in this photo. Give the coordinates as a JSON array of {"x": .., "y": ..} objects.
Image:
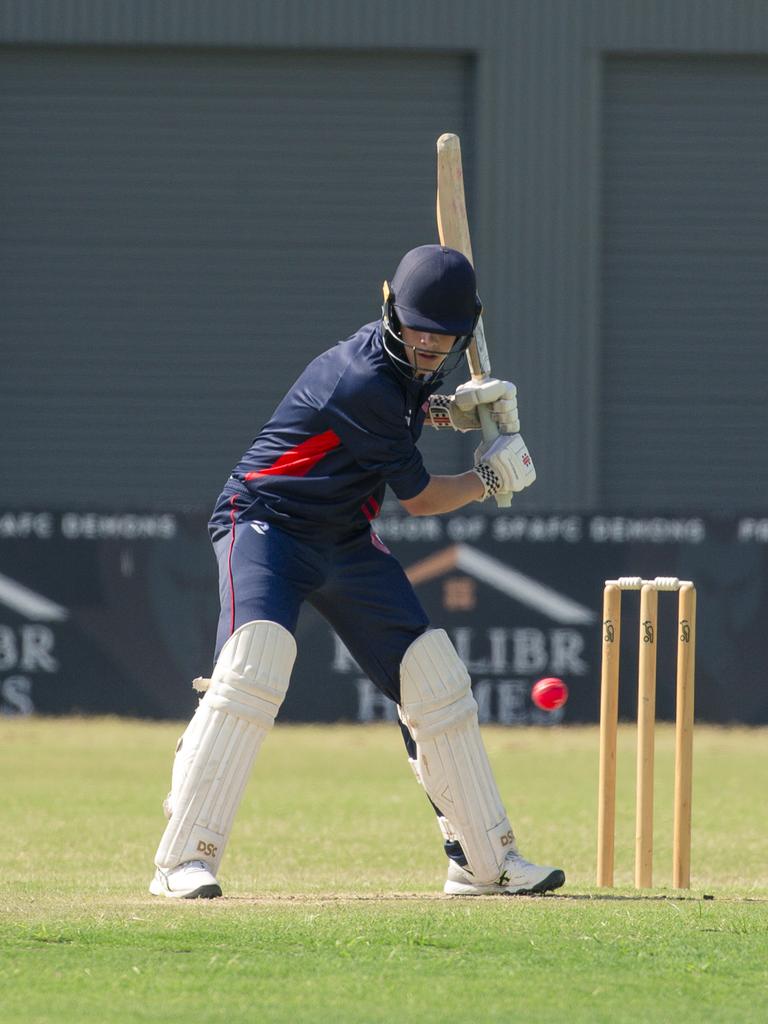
[{"x": 358, "y": 587}]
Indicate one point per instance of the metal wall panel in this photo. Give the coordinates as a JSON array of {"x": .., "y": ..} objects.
[
  {"x": 180, "y": 233},
  {"x": 350, "y": 23},
  {"x": 534, "y": 110},
  {"x": 685, "y": 265}
]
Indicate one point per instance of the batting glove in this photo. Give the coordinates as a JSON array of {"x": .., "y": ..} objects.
[
  {"x": 504, "y": 465},
  {"x": 500, "y": 395},
  {"x": 460, "y": 411}
]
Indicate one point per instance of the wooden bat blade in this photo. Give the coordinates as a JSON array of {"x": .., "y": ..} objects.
[
  {"x": 453, "y": 230},
  {"x": 452, "y": 222}
]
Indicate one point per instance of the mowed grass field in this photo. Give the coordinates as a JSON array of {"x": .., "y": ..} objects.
[{"x": 333, "y": 908}]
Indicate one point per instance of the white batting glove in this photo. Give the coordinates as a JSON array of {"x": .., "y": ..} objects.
[
  {"x": 459, "y": 411},
  {"x": 500, "y": 395},
  {"x": 504, "y": 465}
]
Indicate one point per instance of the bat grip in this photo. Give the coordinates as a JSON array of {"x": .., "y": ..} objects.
[{"x": 490, "y": 432}]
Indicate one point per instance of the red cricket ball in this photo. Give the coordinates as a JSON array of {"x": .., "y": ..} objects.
[{"x": 549, "y": 694}]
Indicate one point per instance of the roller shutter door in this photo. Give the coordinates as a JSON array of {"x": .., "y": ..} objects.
[
  {"x": 179, "y": 233},
  {"x": 685, "y": 285}
]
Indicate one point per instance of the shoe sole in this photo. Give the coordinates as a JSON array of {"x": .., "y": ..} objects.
[
  {"x": 203, "y": 892},
  {"x": 554, "y": 880}
]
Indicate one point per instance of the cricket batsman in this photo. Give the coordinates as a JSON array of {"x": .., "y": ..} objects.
[{"x": 295, "y": 523}]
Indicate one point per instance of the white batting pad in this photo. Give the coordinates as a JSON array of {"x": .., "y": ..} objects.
[
  {"x": 441, "y": 714},
  {"x": 217, "y": 751}
]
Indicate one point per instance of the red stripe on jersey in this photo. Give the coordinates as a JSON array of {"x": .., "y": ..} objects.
[
  {"x": 370, "y": 508},
  {"x": 299, "y": 460}
]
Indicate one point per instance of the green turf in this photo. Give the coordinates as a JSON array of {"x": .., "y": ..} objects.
[{"x": 333, "y": 880}]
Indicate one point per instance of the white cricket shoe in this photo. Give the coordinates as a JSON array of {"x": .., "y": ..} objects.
[
  {"x": 518, "y": 878},
  {"x": 189, "y": 881}
]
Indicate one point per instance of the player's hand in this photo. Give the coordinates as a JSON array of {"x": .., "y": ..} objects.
[
  {"x": 500, "y": 395},
  {"x": 504, "y": 465}
]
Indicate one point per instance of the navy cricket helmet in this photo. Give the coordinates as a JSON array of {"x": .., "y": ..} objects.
[{"x": 432, "y": 290}]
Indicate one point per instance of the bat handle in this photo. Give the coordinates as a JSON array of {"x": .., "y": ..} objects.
[{"x": 491, "y": 431}]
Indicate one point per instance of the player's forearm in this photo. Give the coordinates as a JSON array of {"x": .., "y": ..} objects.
[{"x": 445, "y": 494}]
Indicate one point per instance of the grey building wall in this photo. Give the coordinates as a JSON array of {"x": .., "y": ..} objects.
[
  {"x": 536, "y": 111},
  {"x": 182, "y": 232},
  {"x": 685, "y": 265}
]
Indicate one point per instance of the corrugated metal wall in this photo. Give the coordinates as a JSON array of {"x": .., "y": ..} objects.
[
  {"x": 535, "y": 111},
  {"x": 685, "y": 267},
  {"x": 182, "y": 231}
]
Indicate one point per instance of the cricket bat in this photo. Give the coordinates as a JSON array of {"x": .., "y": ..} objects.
[{"x": 453, "y": 230}]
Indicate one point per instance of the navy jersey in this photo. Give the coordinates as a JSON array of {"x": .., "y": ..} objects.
[{"x": 346, "y": 429}]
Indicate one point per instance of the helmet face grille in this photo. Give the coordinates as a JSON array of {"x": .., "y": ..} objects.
[{"x": 396, "y": 348}]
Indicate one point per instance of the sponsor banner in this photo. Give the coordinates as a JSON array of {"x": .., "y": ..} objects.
[{"x": 116, "y": 613}]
